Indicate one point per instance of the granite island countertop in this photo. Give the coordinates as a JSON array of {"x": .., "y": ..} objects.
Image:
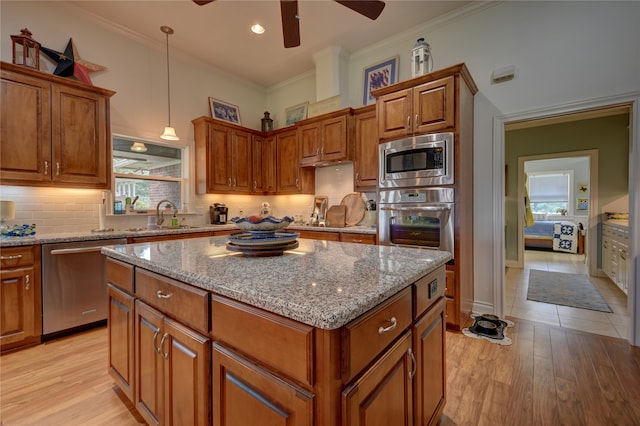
[{"x": 324, "y": 284}]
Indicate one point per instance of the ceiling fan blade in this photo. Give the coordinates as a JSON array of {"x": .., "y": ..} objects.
[
  {"x": 290, "y": 23},
  {"x": 369, "y": 8},
  {"x": 202, "y": 2}
]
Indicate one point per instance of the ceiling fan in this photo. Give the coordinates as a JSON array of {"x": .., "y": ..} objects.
[{"x": 291, "y": 19}]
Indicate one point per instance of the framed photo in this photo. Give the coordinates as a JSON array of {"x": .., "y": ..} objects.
[
  {"x": 224, "y": 111},
  {"x": 582, "y": 204},
  {"x": 377, "y": 76},
  {"x": 324, "y": 106},
  {"x": 296, "y": 113}
]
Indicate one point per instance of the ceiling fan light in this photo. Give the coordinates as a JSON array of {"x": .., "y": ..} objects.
[
  {"x": 138, "y": 147},
  {"x": 169, "y": 134},
  {"x": 257, "y": 29}
]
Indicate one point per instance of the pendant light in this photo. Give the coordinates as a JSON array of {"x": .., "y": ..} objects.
[{"x": 169, "y": 132}]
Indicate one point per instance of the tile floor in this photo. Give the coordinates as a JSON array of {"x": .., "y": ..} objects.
[{"x": 614, "y": 324}]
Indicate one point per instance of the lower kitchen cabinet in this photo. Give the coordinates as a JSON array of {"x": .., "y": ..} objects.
[
  {"x": 173, "y": 370},
  {"x": 120, "y": 318},
  {"x": 20, "y": 297},
  {"x": 383, "y": 395},
  {"x": 245, "y": 393}
]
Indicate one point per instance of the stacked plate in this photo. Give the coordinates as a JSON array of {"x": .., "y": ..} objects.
[{"x": 262, "y": 238}]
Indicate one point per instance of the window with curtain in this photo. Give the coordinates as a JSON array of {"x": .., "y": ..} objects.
[
  {"x": 550, "y": 192},
  {"x": 148, "y": 170}
]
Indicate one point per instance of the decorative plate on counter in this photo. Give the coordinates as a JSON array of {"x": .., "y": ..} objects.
[{"x": 254, "y": 238}]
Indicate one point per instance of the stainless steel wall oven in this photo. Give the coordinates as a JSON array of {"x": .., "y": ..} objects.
[{"x": 417, "y": 217}]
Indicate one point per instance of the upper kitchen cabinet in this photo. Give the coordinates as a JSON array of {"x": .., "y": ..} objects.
[
  {"x": 263, "y": 165},
  {"x": 326, "y": 139},
  {"x": 425, "y": 104},
  {"x": 365, "y": 163},
  {"x": 55, "y": 131},
  {"x": 290, "y": 177},
  {"x": 223, "y": 157}
]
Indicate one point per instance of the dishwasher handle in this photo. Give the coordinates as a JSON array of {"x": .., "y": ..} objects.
[{"x": 76, "y": 250}]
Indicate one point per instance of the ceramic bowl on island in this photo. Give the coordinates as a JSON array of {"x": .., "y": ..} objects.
[{"x": 257, "y": 223}]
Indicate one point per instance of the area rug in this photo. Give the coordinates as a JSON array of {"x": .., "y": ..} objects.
[
  {"x": 502, "y": 340},
  {"x": 559, "y": 288}
]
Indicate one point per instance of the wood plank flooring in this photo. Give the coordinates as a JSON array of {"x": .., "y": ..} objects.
[{"x": 548, "y": 376}]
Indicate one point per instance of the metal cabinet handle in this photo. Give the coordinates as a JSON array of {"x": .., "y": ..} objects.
[
  {"x": 12, "y": 257},
  {"x": 322, "y": 151},
  {"x": 165, "y": 355},
  {"x": 416, "y": 122},
  {"x": 46, "y": 168},
  {"x": 161, "y": 295},
  {"x": 297, "y": 183},
  {"x": 57, "y": 169},
  {"x": 393, "y": 321},
  {"x": 27, "y": 282},
  {"x": 412, "y": 373},
  {"x": 255, "y": 184},
  {"x": 155, "y": 336},
  {"x": 357, "y": 176},
  {"x": 356, "y": 241},
  {"x": 408, "y": 121},
  {"x": 235, "y": 182}
]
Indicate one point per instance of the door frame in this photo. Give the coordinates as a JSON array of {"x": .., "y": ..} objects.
[{"x": 633, "y": 101}]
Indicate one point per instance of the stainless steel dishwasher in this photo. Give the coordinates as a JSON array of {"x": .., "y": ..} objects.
[{"x": 74, "y": 289}]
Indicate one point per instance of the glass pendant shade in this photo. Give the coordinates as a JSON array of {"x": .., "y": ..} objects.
[
  {"x": 169, "y": 134},
  {"x": 138, "y": 147}
]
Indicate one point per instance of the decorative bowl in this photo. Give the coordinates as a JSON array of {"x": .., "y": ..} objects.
[{"x": 256, "y": 223}]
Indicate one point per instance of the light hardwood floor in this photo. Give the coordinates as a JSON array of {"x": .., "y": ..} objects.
[
  {"x": 614, "y": 324},
  {"x": 548, "y": 376}
]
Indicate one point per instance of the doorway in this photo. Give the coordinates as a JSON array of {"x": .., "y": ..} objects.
[{"x": 567, "y": 112}]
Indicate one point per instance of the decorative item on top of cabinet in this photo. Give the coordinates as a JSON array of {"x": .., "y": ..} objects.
[
  {"x": 26, "y": 51},
  {"x": 326, "y": 139},
  {"x": 61, "y": 127},
  {"x": 365, "y": 161},
  {"x": 21, "y": 301},
  {"x": 425, "y": 104}
]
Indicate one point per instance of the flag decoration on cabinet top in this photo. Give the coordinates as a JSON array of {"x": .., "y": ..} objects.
[{"x": 70, "y": 64}]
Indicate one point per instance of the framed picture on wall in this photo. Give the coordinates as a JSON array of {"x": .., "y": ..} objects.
[
  {"x": 378, "y": 76},
  {"x": 582, "y": 204},
  {"x": 296, "y": 113},
  {"x": 224, "y": 111}
]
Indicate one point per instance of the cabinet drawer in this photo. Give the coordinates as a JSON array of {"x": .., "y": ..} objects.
[
  {"x": 12, "y": 257},
  {"x": 348, "y": 237},
  {"x": 120, "y": 274},
  {"x": 180, "y": 301},
  {"x": 319, "y": 235},
  {"x": 427, "y": 291},
  {"x": 280, "y": 343},
  {"x": 365, "y": 337}
]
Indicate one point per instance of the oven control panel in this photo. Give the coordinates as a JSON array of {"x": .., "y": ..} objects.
[{"x": 413, "y": 197}]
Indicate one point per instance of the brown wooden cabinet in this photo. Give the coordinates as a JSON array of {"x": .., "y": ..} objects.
[
  {"x": 424, "y": 108},
  {"x": 290, "y": 177},
  {"x": 326, "y": 139},
  {"x": 55, "y": 131},
  {"x": 20, "y": 297},
  {"x": 365, "y": 164},
  {"x": 223, "y": 158}
]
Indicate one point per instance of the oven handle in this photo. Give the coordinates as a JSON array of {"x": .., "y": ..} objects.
[
  {"x": 423, "y": 208},
  {"x": 76, "y": 250}
]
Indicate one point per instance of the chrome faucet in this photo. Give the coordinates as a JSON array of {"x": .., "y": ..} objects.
[{"x": 160, "y": 215}]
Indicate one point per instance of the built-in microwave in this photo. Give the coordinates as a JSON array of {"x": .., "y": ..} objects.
[{"x": 424, "y": 160}]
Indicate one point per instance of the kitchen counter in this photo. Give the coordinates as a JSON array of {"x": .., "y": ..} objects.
[
  {"x": 95, "y": 236},
  {"x": 324, "y": 284}
]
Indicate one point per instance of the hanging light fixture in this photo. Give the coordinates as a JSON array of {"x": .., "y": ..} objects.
[
  {"x": 169, "y": 132},
  {"x": 138, "y": 147}
]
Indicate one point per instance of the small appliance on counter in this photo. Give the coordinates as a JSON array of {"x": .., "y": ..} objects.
[{"x": 218, "y": 213}]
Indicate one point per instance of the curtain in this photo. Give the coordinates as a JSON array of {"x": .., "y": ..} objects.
[{"x": 528, "y": 215}]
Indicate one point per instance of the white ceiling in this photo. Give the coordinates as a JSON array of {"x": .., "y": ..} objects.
[{"x": 218, "y": 33}]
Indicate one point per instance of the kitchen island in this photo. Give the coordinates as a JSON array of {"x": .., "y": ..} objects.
[{"x": 328, "y": 333}]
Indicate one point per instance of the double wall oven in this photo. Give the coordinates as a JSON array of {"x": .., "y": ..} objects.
[{"x": 416, "y": 193}]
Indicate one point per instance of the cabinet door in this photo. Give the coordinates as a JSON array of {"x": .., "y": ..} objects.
[
  {"x": 18, "y": 304},
  {"x": 79, "y": 138},
  {"x": 187, "y": 374},
  {"x": 269, "y": 165},
  {"x": 149, "y": 364},
  {"x": 258, "y": 169},
  {"x": 365, "y": 165},
  {"x": 121, "y": 322},
  {"x": 241, "y": 162},
  {"x": 287, "y": 163},
  {"x": 433, "y": 106},
  {"x": 394, "y": 114},
  {"x": 383, "y": 395},
  {"x": 430, "y": 378},
  {"x": 219, "y": 159},
  {"x": 310, "y": 137},
  {"x": 335, "y": 139},
  {"x": 25, "y": 129},
  {"x": 244, "y": 394}
]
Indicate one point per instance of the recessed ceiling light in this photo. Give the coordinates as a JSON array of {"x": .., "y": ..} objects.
[{"x": 257, "y": 28}]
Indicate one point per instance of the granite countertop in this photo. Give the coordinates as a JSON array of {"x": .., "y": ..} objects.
[
  {"x": 96, "y": 236},
  {"x": 324, "y": 284}
]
